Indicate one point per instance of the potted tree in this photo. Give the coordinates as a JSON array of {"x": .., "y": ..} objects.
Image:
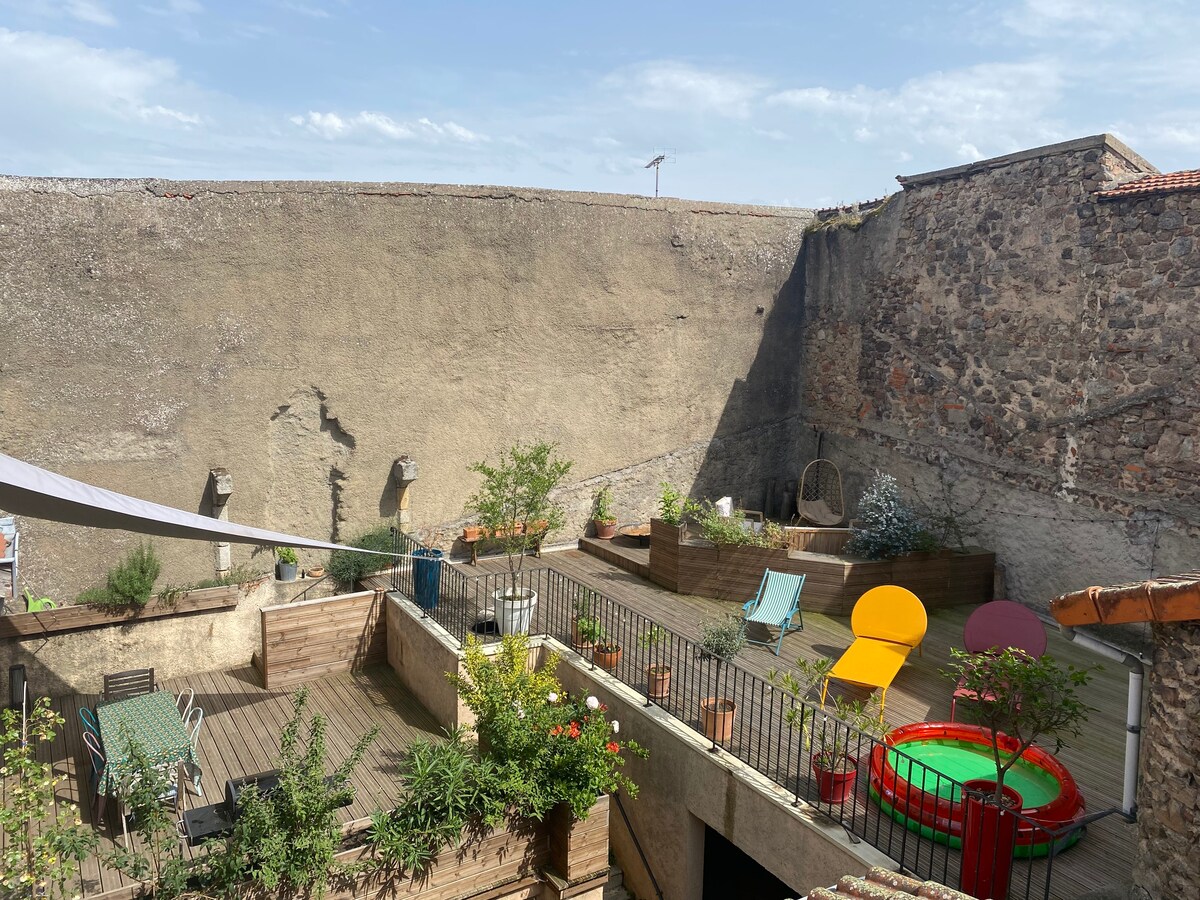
[
  {"x": 602, "y": 515},
  {"x": 286, "y": 563},
  {"x": 1017, "y": 698},
  {"x": 515, "y": 495},
  {"x": 721, "y": 640},
  {"x": 658, "y": 674},
  {"x": 829, "y": 739}
]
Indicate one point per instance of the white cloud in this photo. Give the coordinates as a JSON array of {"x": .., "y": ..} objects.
[
  {"x": 680, "y": 87},
  {"x": 332, "y": 126},
  {"x": 65, "y": 74},
  {"x": 90, "y": 11},
  {"x": 1101, "y": 22},
  {"x": 997, "y": 106}
]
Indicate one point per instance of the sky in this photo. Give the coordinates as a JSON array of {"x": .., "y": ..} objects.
[{"x": 778, "y": 103}]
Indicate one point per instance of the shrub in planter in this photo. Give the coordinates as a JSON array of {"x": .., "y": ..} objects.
[
  {"x": 515, "y": 495},
  {"x": 887, "y": 527},
  {"x": 129, "y": 583},
  {"x": 721, "y": 640},
  {"x": 347, "y": 567},
  {"x": 556, "y": 747}
]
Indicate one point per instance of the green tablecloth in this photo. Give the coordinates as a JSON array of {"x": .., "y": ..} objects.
[{"x": 153, "y": 722}]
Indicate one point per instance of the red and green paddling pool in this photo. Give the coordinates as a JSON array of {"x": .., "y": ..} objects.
[{"x": 926, "y": 797}]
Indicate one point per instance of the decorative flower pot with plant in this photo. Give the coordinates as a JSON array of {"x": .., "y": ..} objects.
[
  {"x": 514, "y": 495},
  {"x": 286, "y": 563},
  {"x": 658, "y": 674},
  {"x": 720, "y": 641},
  {"x": 853, "y": 726},
  {"x": 1018, "y": 698},
  {"x": 988, "y": 852},
  {"x": 585, "y": 634},
  {"x": 602, "y": 515},
  {"x": 607, "y": 654}
]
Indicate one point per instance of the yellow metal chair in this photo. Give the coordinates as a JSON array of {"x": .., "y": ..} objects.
[{"x": 888, "y": 622}]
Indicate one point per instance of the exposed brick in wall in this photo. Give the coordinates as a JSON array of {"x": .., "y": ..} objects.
[{"x": 1043, "y": 338}]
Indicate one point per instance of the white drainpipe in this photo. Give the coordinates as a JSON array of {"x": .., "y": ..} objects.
[{"x": 1133, "y": 707}]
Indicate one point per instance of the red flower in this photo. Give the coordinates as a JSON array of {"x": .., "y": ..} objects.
[
  {"x": 603, "y": 707},
  {"x": 574, "y": 730},
  {"x": 556, "y": 731},
  {"x": 612, "y": 747}
]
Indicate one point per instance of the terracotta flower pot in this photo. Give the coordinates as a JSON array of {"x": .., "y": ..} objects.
[
  {"x": 316, "y": 571},
  {"x": 472, "y": 533},
  {"x": 605, "y": 530},
  {"x": 658, "y": 682},
  {"x": 716, "y": 718},
  {"x": 579, "y": 643},
  {"x": 607, "y": 659}
]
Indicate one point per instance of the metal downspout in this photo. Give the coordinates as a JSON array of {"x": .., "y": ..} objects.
[{"x": 1133, "y": 707}]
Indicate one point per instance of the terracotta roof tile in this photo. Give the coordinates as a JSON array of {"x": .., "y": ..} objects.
[
  {"x": 883, "y": 884},
  {"x": 1167, "y": 183},
  {"x": 1173, "y": 599}
]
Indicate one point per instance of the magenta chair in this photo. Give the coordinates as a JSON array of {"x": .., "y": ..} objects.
[{"x": 995, "y": 627}]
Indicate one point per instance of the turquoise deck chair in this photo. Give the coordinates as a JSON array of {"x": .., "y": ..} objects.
[{"x": 775, "y": 605}]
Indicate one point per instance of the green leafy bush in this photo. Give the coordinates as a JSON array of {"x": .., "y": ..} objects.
[
  {"x": 449, "y": 793},
  {"x": 285, "y": 840},
  {"x": 557, "y": 748},
  {"x": 347, "y": 567},
  {"x": 887, "y": 526},
  {"x": 42, "y": 848},
  {"x": 129, "y": 583},
  {"x": 287, "y": 555}
]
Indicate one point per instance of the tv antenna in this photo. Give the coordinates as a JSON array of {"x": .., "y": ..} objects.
[{"x": 661, "y": 156}]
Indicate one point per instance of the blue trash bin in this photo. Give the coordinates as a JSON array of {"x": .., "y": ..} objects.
[{"x": 427, "y": 576}]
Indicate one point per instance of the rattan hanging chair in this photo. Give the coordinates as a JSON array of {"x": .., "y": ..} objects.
[{"x": 819, "y": 499}]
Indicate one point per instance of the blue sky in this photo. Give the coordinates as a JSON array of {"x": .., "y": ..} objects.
[{"x": 790, "y": 103}]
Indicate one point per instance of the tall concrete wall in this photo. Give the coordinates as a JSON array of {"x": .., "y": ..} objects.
[
  {"x": 1003, "y": 325},
  {"x": 304, "y": 335}
]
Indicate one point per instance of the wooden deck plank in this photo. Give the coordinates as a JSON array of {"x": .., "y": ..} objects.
[
  {"x": 242, "y": 723},
  {"x": 919, "y": 693}
]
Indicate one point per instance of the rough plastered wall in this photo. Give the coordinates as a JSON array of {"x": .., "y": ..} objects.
[
  {"x": 1002, "y": 325},
  {"x": 1169, "y": 788},
  {"x": 304, "y": 335}
]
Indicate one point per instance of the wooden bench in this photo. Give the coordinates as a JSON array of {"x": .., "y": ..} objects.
[{"x": 473, "y": 535}]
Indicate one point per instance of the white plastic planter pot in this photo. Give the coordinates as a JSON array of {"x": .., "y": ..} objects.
[{"x": 514, "y": 612}]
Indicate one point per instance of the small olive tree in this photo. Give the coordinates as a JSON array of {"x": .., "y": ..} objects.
[
  {"x": 514, "y": 504},
  {"x": 1024, "y": 697}
]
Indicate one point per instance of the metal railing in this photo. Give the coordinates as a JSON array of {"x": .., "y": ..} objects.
[{"x": 760, "y": 736}]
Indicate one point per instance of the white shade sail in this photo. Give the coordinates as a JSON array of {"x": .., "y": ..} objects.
[{"x": 26, "y": 490}]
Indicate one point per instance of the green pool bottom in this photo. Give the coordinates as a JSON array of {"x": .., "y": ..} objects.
[{"x": 959, "y": 761}]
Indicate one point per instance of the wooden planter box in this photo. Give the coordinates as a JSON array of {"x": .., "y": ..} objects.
[
  {"x": 521, "y": 860},
  {"x": 74, "y": 618},
  {"x": 833, "y": 583}
]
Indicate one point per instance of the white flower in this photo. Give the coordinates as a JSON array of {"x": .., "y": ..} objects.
[
  {"x": 616, "y": 726},
  {"x": 593, "y": 703},
  {"x": 552, "y": 697},
  {"x": 520, "y": 713}
]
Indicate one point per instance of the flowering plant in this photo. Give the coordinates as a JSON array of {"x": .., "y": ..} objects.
[
  {"x": 43, "y": 847},
  {"x": 559, "y": 747}
]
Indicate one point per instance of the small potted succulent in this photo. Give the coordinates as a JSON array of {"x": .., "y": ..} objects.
[
  {"x": 286, "y": 563},
  {"x": 602, "y": 514},
  {"x": 721, "y": 640}
]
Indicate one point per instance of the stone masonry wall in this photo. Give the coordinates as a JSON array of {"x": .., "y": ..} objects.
[
  {"x": 1169, "y": 789},
  {"x": 1005, "y": 326},
  {"x": 304, "y": 335}
]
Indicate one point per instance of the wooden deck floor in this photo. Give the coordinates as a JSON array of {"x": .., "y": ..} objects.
[
  {"x": 919, "y": 693},
  {"x": 242, "y": 722}
]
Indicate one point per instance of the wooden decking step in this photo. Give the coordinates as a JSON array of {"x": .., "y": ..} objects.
[{"x": 621, "y": 551}]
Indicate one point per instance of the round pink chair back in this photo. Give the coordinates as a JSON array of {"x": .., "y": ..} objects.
[{"x": 1001, "y": 624}]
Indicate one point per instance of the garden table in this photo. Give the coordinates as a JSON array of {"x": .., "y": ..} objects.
[{"x": 152, "y": 722}]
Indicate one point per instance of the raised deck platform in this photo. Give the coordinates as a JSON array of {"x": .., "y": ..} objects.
[{"x": 625, "y": 553}]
